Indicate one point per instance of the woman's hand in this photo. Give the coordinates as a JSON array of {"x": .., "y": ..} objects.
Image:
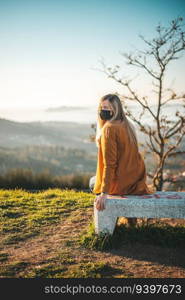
[{"x": 100, "y": 201}]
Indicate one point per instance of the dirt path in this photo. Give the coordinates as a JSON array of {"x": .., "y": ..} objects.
[{"x": 139, "y": 261}]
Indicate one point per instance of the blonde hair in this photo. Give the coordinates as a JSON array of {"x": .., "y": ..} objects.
[{"x": 119, "y": 114}]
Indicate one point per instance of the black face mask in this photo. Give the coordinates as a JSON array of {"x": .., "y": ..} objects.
[{"x": 105, "y": 114}]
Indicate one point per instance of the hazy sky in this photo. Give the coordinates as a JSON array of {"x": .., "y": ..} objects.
[{"x": 49, "y": 49}]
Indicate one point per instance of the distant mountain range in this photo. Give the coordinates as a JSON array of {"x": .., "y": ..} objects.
[
  {"x": 66, "y": 134},
  {"x": 63, "y": 147},
  {"x": 50, "y": 133}
]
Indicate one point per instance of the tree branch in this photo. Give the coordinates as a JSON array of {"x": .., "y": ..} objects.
[
  {"x": 176, "y": 153},
  {"x": 135, "y": 62},
  {"x": 174, "y": 146},
  {"x": 174, "y": 129},
  {"x": 150, "y": 137}
]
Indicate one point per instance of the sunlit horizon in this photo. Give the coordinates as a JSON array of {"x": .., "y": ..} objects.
[{"x": 50, "y": 49}]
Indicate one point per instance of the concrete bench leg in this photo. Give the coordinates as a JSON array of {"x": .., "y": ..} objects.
[{"x": 104, "y": 223}]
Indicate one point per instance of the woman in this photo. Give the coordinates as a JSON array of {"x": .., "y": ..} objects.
[{"x": 120, "y": 166}]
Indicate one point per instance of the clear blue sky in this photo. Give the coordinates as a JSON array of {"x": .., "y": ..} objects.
[{"x": 48, "y": 49}]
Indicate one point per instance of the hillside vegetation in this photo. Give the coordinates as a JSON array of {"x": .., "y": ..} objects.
[
  {"x": 65, "y": 134},
  {"x": 57, "y": 159}
]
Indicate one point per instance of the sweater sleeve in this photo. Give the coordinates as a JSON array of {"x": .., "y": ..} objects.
[{"x": 109, "y": 153}]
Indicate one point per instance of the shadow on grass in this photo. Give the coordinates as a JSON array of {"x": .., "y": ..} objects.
[
  {"x": 10, "y": 270},
  {"x": 161, "y": 243},
  {"x": 162, "y": 235},
  {"x": 92, "y": 270}
]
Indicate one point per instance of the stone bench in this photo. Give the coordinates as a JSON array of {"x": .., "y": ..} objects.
[{"x": 158, "y": 205}]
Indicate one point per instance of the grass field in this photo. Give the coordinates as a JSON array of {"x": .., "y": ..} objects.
[{"x": 51, "y": 234}]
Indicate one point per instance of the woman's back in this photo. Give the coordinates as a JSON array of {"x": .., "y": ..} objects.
[
  {"x": 131, "y": 165},
  {"x": 119, "y": 159}
]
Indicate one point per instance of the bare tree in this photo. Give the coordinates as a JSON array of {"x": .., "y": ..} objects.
[{"x": 165, "y": 137}]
